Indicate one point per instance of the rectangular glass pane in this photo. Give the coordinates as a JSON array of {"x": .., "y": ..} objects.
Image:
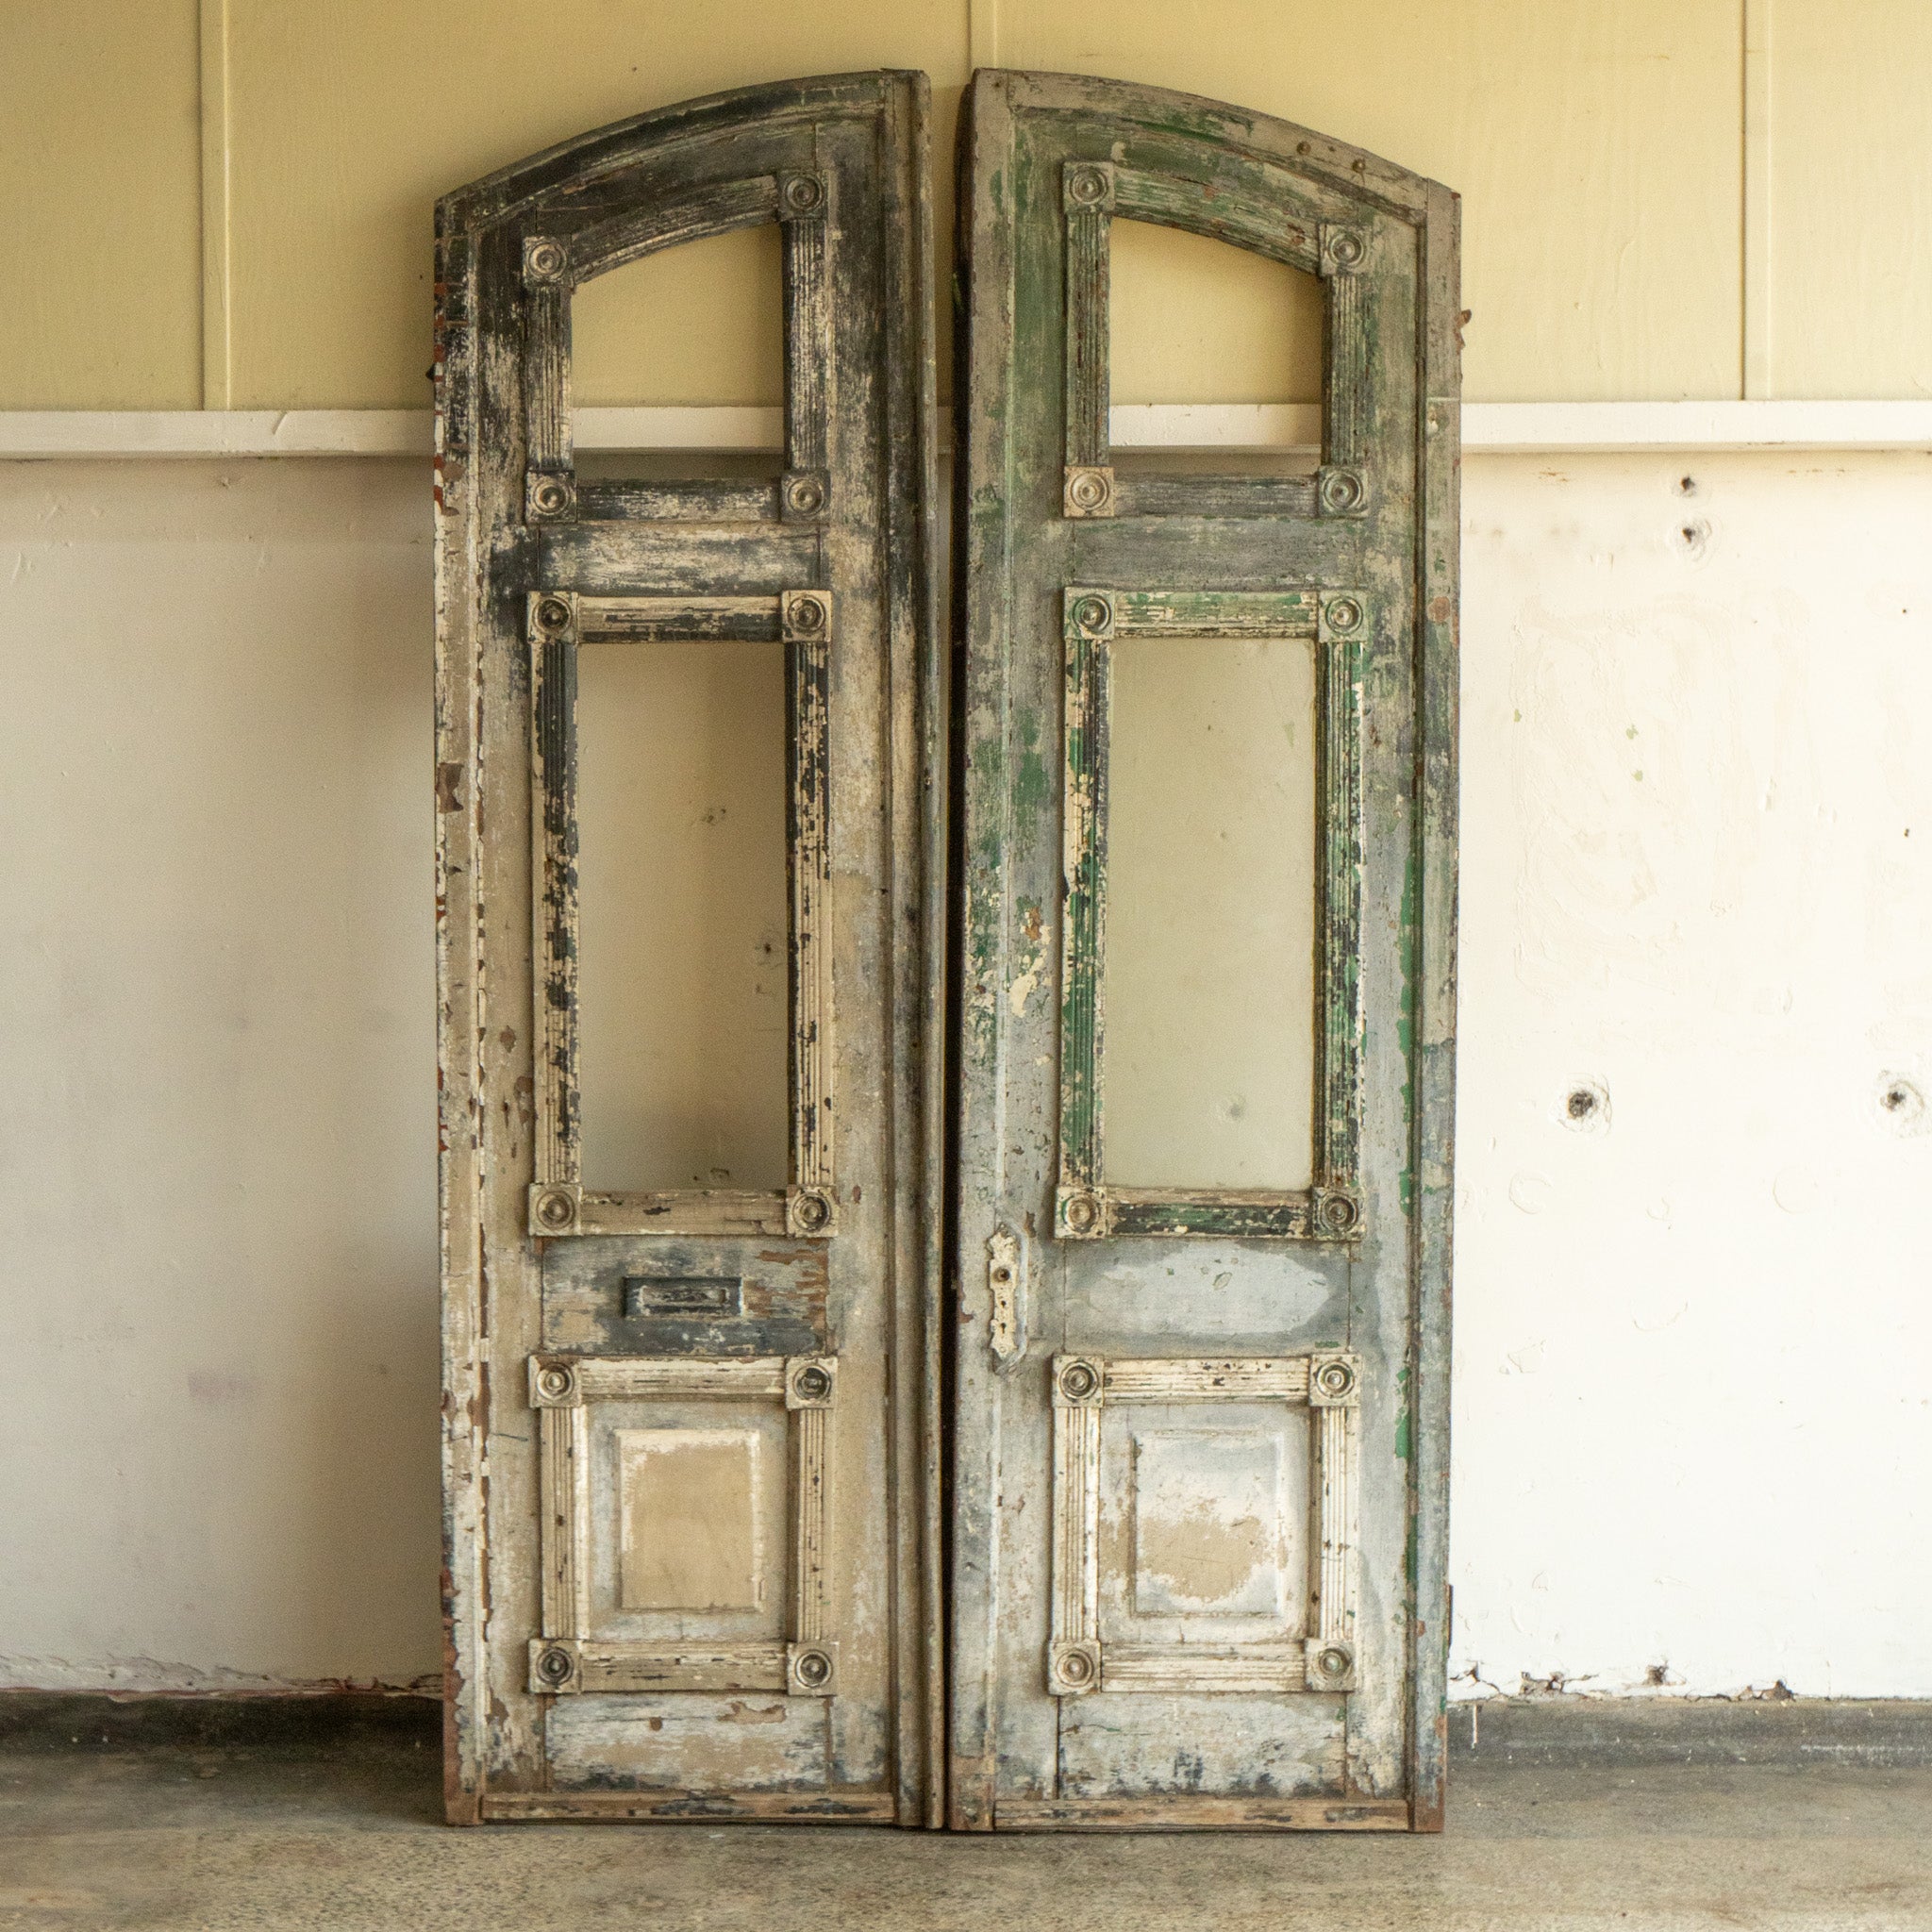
[
  {"x": 682, "y": 972},
  {"x": 1208, "y": 1071}
]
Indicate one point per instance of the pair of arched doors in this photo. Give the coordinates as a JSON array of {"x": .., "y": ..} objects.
[{"x": 1048, "y": 1427}]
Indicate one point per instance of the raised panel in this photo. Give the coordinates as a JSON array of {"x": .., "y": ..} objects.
[
  {"x": 689, "y": 1513},
  {"x": 1210, "y": 1524}
]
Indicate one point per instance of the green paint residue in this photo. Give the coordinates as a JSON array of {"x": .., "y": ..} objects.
[
  {"x": 1033, "y": 789},
  {"x": 1405, "y": 1023}
]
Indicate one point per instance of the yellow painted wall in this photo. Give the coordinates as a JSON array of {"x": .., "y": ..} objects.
[
  {"x": 1598, "y": 145},
  {"x": 100, "y": 205},
  {"x": 1851, "y": 198}
]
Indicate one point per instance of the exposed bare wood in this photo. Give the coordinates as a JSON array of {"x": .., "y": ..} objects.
[
  {"x": 832, "y": 1806},
  {"x": 1202, "y": 1814}
]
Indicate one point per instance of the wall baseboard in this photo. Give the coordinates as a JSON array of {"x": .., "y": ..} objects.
[
  {"x": 38, "y": 1721},
  {"x": 1580, "y": 1732},
  {"x": 1583, "y": 1732}
]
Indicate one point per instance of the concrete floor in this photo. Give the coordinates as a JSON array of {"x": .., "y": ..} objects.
[{"x": 343, "y": 1833}]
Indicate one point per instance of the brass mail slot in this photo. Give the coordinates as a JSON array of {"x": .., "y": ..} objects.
[{"x": 683, "y": 1294}]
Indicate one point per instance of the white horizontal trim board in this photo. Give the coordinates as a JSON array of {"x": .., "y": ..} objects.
[{"x": 1498, "y": 428}]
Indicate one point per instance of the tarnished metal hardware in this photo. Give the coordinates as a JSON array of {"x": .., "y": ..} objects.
[
  {"x": 650, "y": 1296},
  {"x": 1006, "y": 1333}
]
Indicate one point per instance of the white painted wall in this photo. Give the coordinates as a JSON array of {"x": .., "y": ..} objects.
[
  {"x": 1693, "y": 1340},
  {"x": 1694, "y": 1346},
  {"x": 218, "y": 1312}
]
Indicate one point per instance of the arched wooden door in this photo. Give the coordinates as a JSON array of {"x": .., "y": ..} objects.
[
  {"x": 688, "y": 1412},
  {"x": 1204, "y": 1117}
]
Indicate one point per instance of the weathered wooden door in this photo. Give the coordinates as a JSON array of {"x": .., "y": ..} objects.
[
  {"x": 1207, "y": 994},
  {"x": 689, "y": 1393}
]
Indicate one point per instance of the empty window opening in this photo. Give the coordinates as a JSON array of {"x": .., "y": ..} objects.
[
  {"x": 1208, "y": 1071},
  {"x": 1195, "y": 320},
  {"x": 699, "y": 324},
  {"x": 683, "y": 974}
]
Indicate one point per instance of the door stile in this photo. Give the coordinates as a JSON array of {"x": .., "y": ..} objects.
[{"x": 1438, "y": 526}]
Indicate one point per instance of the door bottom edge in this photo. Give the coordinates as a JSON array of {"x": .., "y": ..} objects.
[
  {"x": 688, "y": 1807},
  {"x": 1189, "y": 1813}
]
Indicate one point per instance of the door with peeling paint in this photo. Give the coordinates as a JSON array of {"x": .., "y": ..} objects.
[
  {"x": 688, "y": 908},
  {"x": 1206, "y": 1005}
]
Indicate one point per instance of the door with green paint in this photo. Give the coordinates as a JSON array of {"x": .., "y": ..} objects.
[{"x": 1205, "y": 1002}]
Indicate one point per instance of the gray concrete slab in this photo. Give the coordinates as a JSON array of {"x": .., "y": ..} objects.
[{"x": 119, "y": 1824}]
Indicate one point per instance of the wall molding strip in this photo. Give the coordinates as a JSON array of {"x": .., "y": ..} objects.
[{"x": 1487, "y": 429}]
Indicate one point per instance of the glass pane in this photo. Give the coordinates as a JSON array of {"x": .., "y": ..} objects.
[
  {"x": 681, "y": 885},
  {"x": 1193, "y": 320},
  {"x": 1209, "y": 1072},
  {"x": 702, "y": 323}
]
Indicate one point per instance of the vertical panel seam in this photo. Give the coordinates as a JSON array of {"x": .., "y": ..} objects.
[
  {"x": 217, "y": 380},
  {"x": 982, "y": 34},
  {"x": 1756, "y": 209}
]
